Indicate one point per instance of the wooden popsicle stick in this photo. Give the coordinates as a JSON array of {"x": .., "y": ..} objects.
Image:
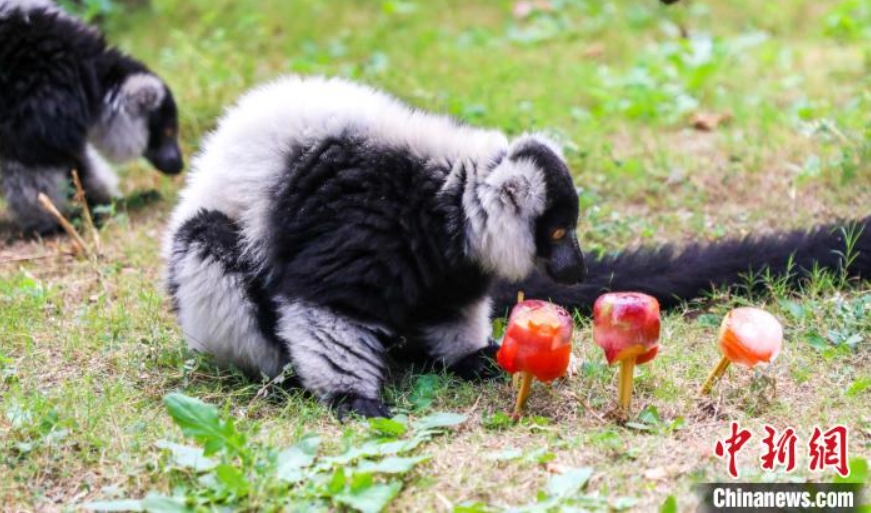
[
  {"x": 715, "y": 375},
  {"x": 78, "y": 242},
  {"x": 515, "y": 379},
  {"x": 627, "y": 375},
  {"x": 522, "y": 395}
]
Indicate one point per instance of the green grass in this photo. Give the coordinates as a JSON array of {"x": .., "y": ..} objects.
[{"x": 88, "y": 351}]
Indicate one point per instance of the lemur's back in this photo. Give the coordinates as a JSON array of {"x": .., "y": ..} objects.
[
  {"x": 48, "y": 87},
  {"x": 242, "y": 162},
  {"x": 336, "y": 189}
]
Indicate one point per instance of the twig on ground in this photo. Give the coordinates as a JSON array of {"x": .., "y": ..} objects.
[
  {"x": 25, "y": 258},
  {"x": 445, "y": 502},
  {"x": 587, "y": 407},
  {"x": 86, "y": 213},
  {"x": 474, "y": 406},
  {"x": 78, "y": 242}
]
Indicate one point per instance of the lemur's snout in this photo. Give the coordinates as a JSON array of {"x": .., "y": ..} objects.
[
  {"x": 167, "y": 159},
  {"x": 566, "y": 263}
]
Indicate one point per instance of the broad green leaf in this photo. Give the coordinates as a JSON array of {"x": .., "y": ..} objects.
[
  {"x": 795, "y": 309},
  {"x": 161, "y": 504},
  {"x": 337, "y": 482},
  {"x": 119, "y": 505},
  {"x": 569, "y": 482},
  {"x": 387, "y": 427},
  {"x": 817, "y": 341},
  {"x": 374, "y": 448},
  {"x": 200, "y": 421},
  {"x": 232, "y": 478},
  {"x": 185, "y": 456},
  {"x": 650, "y": 415},
  {"x": 498, "y": 421},
  {"x": 709, "y": 320},
  {"x": 423, "y": 393},
  {"x": 669, "y": 506},
  {"x": 439, "y": 420},
  {"x": 291, "y": 461},
  {"x": 371, "y": 499},
  {"x": 361, "y": 481},
  {"x": 391, "y": 465},
  {"x": 678, "y": 423}
]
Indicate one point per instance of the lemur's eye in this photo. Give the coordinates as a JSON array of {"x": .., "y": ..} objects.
[{"x": 557, "y": 234}]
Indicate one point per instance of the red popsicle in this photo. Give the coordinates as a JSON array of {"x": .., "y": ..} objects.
[
  {"x": 626, "y": 326},
  {"x": 538, "y": 342},
  {"x": 748, "y": 336}
]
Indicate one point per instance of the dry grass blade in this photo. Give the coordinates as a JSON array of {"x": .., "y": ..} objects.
[
  {"x": 26, "y": 258},
  {"x": 78, "y": 243},
  {"x": 86, "y": 213}
]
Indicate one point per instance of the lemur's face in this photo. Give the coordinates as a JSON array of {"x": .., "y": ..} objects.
[
  {"x": 556, "y": 239},
  {"x": 162, "y": 149}
]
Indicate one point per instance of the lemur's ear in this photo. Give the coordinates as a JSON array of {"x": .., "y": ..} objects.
[
  {"x": 142, "y": 93},
  {"x": 518, "y": 186},
  {"x": 515, "y": 192}
]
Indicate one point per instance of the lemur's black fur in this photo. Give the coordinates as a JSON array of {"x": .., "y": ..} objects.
[
  {"x": 59, "y": 80},
  {"x": 381, "y": 250},
  {"x": 675, "y": 275}
]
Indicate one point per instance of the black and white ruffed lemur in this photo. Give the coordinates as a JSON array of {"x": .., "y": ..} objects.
[
  {"x": 325, "y": 223},
  {"x": 67, "y": 100}
]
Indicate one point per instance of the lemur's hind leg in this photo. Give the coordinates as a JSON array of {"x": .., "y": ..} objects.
[
  {"x": 220, "y": 307},
  {"x": 463, "y": 345},
  {"x": 336, "y": 358},
  {"x": 21, "y": 186}
]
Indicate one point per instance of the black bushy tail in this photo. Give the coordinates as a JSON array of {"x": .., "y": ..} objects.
[{"x": 675, "y": 275}]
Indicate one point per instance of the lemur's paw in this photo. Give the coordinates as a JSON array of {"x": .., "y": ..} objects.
[
  {"x": 351, "y": 404},
  {"x": 480, "y": 365}
]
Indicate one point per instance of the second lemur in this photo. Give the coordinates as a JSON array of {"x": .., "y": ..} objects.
[{"x": 67, "y": 100}]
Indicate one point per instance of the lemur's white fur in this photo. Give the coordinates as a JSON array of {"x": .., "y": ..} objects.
[
  {"x": 29, "y": 5},
  {"x": 217, "y": 318},
  {"x": 450, "y": 342},
  {"x": 319, "y": 336},
  {"x": 501, "y": 227},
  {"x": 101, "y": 183},
  {"x": 122, "y": 131},
  {"x": 238, "y": 170}
]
